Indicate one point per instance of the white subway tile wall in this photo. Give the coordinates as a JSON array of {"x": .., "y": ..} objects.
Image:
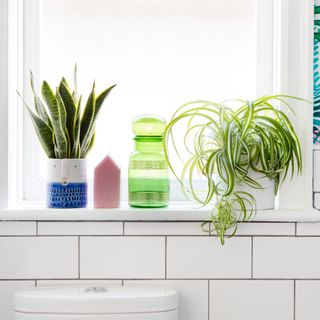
[
  {"x": 316, "y": 171},
  {"x": 251, "y": 299},
  {"x": 38, "y": 257},
  {"x": 194, "y": 228},
  {"x": 204, "y": 257},
  {"x": 122, "y": 257},
  {"x": 316, "y": 200},
  {"x": 308, "y": 229},
  {"x": 193, "y": 295},
  {"x": 316, "y": 178},
  {"x": 307, "y": 300},
  {"x": 79, "y": 228},
  {"x": 268, "y": 271},
  {"x": 16, "y": 228},
  {"x": 7, "y": 289},
  {"x": 286, "y": 257}
]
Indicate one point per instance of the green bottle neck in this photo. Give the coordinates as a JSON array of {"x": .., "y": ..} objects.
[{"x": 148, "y": 144}]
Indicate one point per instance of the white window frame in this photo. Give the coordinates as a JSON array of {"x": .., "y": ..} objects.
[{"x": 283, "y": 66}]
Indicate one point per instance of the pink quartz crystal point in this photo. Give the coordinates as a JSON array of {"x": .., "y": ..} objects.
[{"x": 106, "y": 184}]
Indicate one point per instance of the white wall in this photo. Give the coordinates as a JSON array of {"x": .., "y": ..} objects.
[{"x": 268, "y": 271}]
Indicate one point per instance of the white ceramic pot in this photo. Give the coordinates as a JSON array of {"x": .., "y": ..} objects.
[
  {"x": 265, "y": 197},
  {"x": 67, "y": 183}
]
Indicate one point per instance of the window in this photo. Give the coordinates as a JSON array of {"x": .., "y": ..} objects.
[{"x": 161, "y": 54}]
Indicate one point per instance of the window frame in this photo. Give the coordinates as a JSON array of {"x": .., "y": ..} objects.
[{"x": 274, "y": 74}]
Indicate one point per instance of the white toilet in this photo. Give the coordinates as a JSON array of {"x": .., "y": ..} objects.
[{"x": 96, "y": 303}]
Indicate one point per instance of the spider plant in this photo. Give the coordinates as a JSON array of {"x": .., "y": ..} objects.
[
  {"x": 63, "y": 130},
  {"x": 225, "y": 145}
]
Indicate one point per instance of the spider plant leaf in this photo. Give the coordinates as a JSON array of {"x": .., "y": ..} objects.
[
  {"x": 229, "y": 176},
  {"x": 58, "y": 116},
  {"x": 250, "y": 182},
  {"x": 248, "y": 119}
]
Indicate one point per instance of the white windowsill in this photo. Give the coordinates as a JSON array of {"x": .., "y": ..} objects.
[{"x": 175, "y": 212}]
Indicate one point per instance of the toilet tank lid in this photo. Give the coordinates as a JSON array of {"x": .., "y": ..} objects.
[{"x": 93, "y": 300}]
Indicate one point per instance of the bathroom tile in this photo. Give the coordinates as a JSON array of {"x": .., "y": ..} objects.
[
  {"x": 251, "y": 300},
  {"x": 38, "y": 257},
  {"x": 79, "y": 283},
  {"x": 7, "y": 289},
  {"x": 163, "y": 228},
  {"x": 286, "y": 257},
  {"x": 316, "y": 202},
  {"x": 265, "y": 229},
  {"x": 122, "y": 257},
  {"x": 307, "y": 300},
  {"x": 308, "y": 229},
  {"x": 316, "y": 170},
  {"x": 193, "y": 296},
  {"x": 205, "y": 257},
  {"x": 12, "y": 228},
  {"x": 80, "y": 228},
  {"x": 194, "y": 228}
]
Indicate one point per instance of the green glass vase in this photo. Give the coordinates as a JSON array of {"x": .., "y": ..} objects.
[{"x": 149, "y": 184}]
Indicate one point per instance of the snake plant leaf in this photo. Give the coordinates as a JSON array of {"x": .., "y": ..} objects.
[
  {"x": 100, "y": 99},
  {"x": 75, "y": 83},
  {"x": 91, "y": 112},
  {"x": 70, "y": 108},
  {"x": 42, "y": 112},
  {"x": 64, "y": 80},
  {"x": 39, "y": 107},
  {"x": 72, "y": 132},
  {"x": 90, "y": 145},
  {"x": 44, "y": 133},
  {"x": 75, "y": 152},
  {"x": 87, "y": 120},
  {"x": 58, "y": 116}
]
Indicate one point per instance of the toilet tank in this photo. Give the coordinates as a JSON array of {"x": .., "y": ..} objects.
[{"x": 96, "y": 303}]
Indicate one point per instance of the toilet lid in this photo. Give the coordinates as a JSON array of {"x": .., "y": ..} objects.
[{"x": 93, "y": 300}]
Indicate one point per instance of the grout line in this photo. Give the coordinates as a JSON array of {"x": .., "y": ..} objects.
[
  {"x": 159, "y": 279},
  {"x": 123, "y": 228},
  {"x": 79, "y": 258},
  {"x": 166, "y": 257},
  {"x": 295, "y": 228},
  {"x": 294, "y": 299},
  {"x": 35, "y": 283},
  {"x": 37, "y": 228},
  {"x": 152, "y": 221},
  {"x": 157, "y": 235}
]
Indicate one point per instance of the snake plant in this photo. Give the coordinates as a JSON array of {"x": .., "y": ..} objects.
[
  {"x": 63, "y": 130},
  {"x": 224, "y": 145}
]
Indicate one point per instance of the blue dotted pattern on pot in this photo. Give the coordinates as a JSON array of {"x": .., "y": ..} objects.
[{"x": 71, "y": 195}]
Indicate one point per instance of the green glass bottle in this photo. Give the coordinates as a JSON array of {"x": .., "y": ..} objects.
[{"x": 148, "y": 169}]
